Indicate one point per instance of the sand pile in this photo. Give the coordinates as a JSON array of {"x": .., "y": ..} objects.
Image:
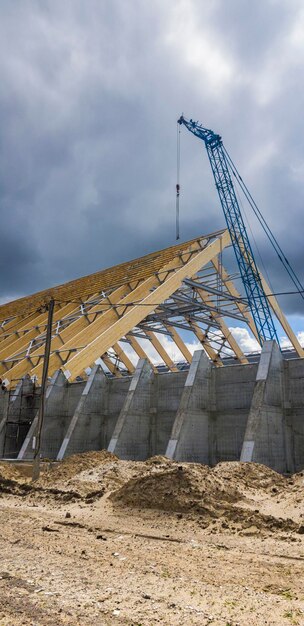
[
  {"x": 9, "y": 472},
  {"x": 249, "y": 475},
  {"x": 74, "y": 465},
  {"x": 110, "y": 474},
  {"x": 177, "y": 488},
  {"x": 231, "y": 494}
]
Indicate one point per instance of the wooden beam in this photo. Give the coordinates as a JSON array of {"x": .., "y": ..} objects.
[
  {"x": 137, "y": 269},
  {"x": 224, "y": 328},
  {"x": 23, "y": 342},
  {"x": 14, "y": 325},
  {"x": 158, "y": 346},
  {"x": 32, "y": 363},
  {"x": 279, "y": 313},
  {"x": 124, "y": 358},
  {"x": 179, "y": 342},
  {"x": 201, "y": 335},
  {"x": 139, "y": 350},
  {"x": 229, "y": 284},
  {"x": 282, "y": 319},
  {"x": 111, "y": 367}
]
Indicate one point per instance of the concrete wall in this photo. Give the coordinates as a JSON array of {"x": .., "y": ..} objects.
[
  {"x": 294, "y": 412},
  {"x": 93, "y": 421},
  {"x": 249, "y": 412},
  {"x": 231, "y": 395}
]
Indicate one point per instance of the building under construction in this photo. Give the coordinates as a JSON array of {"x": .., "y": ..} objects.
[{"x": 122, "y": 374}]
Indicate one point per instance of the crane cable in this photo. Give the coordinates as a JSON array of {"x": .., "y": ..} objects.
[
  {"x": 177, "y": 179},
  {"x": 253, "y": 237},
  {"x": 265, "y": 227}
]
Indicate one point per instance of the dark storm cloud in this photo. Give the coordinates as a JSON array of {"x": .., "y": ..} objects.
[{"x": 90, "y": 92}]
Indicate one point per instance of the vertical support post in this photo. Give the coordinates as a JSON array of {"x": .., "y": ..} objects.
[{"x": 48, "y": 341}]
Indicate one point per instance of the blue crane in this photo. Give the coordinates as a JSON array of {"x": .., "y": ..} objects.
[{"x": 221, "y": 165}]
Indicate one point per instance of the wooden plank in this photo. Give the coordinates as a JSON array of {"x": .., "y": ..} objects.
[{"x": 112, "y": 277}]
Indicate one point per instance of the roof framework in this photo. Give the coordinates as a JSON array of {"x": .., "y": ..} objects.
[{"x": 114, "y": 314}]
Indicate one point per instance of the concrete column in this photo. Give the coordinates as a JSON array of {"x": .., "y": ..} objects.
[
  {"x": 189, "y": 436},
  {"x": 291, "y": 466},
  {"x": 264, "y": 440},
  {"x": 131, "y": 436},
  {"x": 54, "y": 393},
  {"x": 4, "y": 414},
  {"x": 85, "y": 428}
]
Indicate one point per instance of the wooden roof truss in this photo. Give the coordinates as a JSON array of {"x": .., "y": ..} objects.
[{"x": 128, "y": 312}]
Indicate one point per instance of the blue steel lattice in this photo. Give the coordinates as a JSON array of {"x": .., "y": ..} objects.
[{"x": 250, "y": 276}]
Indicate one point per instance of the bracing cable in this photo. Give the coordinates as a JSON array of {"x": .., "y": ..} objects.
[
  {"x": 177, "y": 179},
  {"x": 253, "y": 238},
  {"x": 274, "y": 242}
]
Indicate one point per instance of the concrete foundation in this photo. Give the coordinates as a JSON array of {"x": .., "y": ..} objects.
[{"x": 249, "y": 412}]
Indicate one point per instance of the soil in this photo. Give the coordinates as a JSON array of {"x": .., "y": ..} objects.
[{"x": 100, "y": 541}]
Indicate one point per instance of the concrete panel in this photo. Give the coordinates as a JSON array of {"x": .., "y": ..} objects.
[
  {"x": 189, "y": 437},
  {"x": 132, "y": 434},
  {"x": 58, "y": 401},
  {"x": 86, "y": 428},
  {"x": 4, "y": 402},
  {"x": 264, "y": 440}
]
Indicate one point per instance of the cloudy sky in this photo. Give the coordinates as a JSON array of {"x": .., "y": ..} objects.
[{"x": 89, "y": 98}]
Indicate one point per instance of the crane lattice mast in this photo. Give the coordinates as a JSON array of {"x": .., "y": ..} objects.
[{"x": 249, "y": 272}]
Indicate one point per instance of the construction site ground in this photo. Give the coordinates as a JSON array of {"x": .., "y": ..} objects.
[{"x": 99, "y": 541}]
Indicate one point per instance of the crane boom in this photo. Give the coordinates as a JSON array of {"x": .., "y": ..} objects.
[{"x": 249, "y": 272}]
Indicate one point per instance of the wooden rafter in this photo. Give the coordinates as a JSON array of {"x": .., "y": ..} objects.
[
  {"x": 31, "y": 334},
  {"x": 141, "y": 353},
  {"x": 179, "y": 342},
  {"x": 158, "y": 346},
  {"x": 224, "y": 328},
  {"x": 234, "y": 292},
  {"x": 202, "y": 337}
]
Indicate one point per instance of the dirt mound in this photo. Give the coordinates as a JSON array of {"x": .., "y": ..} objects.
[
  {"x": 113, "y": 473},
  {"x": 206, "y": 492},
  {"x": 180, "y": 488},
  {"x": 9, "y": 472},
  {"x": 159, "y": 460},
  {"x": 74, "y": 465},
  {"x": 249, "y": 475}
]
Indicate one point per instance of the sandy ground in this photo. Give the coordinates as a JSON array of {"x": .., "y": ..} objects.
[{"x": 100, "y": 541}]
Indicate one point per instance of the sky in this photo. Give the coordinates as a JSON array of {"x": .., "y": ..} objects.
[{"x": 90, "y": 94}]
